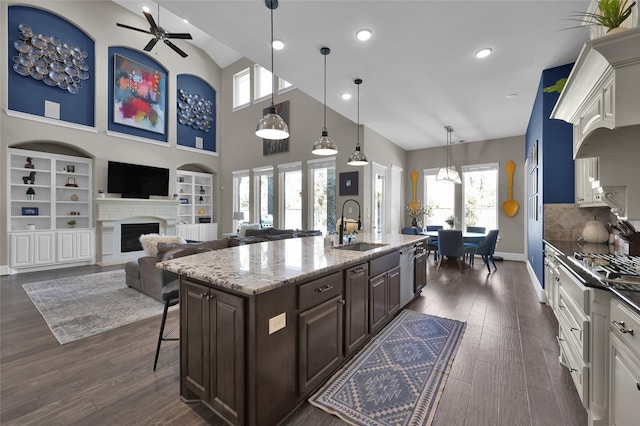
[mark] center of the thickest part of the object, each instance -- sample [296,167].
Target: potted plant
[611,14]
[71,223]
[31,193]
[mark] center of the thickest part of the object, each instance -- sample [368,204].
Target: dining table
[467,237]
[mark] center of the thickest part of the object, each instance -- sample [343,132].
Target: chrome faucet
[342,224]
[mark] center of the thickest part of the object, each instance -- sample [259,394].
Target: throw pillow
[150,242]
[243,228]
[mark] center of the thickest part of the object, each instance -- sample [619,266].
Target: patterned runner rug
[398,377]
[82,306]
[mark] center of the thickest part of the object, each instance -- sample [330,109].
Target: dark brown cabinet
[356,327]
[212,349]
[320,330]
[384,290]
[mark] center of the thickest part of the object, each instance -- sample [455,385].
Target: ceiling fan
[159,33]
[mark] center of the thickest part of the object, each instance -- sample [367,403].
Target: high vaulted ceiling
[418,69]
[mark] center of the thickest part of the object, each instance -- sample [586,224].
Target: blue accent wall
[29,95]
[186,135]
[556,165]
[143,59]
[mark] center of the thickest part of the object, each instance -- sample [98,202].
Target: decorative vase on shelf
[202,191]
[595,232]
[414,222]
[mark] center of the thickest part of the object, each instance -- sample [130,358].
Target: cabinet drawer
[628,321]
[320,290]
[383,263]
[578,370]
[574,324]
[576,291]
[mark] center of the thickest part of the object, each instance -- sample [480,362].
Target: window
[241,200]
[262,83]
[263,181]
[290,187]
[439,199]
[480,188]
[284,85]
[242,88]
[379,177]
[322,199]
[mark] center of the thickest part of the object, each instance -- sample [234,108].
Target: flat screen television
[137,181]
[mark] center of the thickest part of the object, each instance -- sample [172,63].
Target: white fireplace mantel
[112,212]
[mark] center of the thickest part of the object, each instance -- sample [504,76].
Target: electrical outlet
[277,323]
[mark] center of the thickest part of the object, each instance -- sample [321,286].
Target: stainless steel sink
[360,246]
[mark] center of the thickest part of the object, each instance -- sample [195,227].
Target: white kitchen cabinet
[586,173]
[583,335]
[551,277]
[624,378]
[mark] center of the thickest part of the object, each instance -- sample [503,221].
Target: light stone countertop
[260,267]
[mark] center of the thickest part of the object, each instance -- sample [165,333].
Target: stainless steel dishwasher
[407,256]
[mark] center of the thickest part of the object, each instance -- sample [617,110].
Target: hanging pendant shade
[272,126]
[325,145]
[448,174]
[357,158]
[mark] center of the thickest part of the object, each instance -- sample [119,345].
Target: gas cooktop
[618,271]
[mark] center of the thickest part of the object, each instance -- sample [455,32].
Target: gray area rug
[86,305]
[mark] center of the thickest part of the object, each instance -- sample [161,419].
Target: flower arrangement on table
[415,211]
[452,222]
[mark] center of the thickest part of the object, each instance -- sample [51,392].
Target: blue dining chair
[432,244]
[487,248]
[450,245]
[471,246]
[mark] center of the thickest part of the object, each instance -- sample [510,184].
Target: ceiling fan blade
[150,45]
[176,48]
[152,22]
[133,28]
[184,36]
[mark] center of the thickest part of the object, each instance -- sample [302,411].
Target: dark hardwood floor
[506,371]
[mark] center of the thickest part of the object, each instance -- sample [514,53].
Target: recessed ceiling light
[364,34]
[512,95]
[346,96]
[278,44]
[483,53]
[185,21]
[146,9]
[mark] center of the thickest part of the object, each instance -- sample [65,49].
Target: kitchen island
[263,325]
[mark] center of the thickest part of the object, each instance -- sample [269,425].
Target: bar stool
[171,294]
[170,297]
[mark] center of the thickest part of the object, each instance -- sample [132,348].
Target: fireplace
[130,235]
[113,217]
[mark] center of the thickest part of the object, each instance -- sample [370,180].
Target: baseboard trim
[4,270]
[537,285]
[516,257]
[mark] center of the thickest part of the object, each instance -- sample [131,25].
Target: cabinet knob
[342,301]
[574,329]
[621,327]
[572,370]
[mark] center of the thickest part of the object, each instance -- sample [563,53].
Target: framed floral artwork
[139,95]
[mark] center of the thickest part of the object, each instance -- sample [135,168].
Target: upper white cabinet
[587,176]
[602,96]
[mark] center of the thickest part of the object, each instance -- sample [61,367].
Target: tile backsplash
[565,222]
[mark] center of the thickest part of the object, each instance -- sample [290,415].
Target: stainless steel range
[618,271]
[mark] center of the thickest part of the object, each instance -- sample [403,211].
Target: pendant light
[357,158]
[325,145]
[272,126]
[448,174]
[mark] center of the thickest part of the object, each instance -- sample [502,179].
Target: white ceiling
[419,71]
